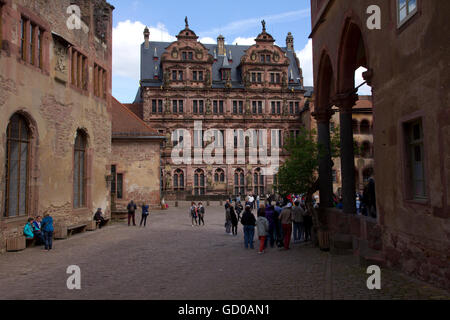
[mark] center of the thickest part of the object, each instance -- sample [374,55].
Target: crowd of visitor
[274,221]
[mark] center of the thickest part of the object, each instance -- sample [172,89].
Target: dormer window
[265,58]
[187,55]
[226,74]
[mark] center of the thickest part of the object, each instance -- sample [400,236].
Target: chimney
[147,37]
[230,57]
[290,42]
[221,45]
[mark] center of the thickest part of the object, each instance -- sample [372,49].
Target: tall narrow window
[31,43]
[416,159]
[17,166]
[39,48]
[258,182]
[79,171]
[175,106]
[239,182]
[117,183]
[178,180]
[23,28]
[199,182]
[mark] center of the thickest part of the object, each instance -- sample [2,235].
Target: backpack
[202,210]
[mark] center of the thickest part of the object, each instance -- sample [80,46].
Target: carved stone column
[325,164]
[345,102]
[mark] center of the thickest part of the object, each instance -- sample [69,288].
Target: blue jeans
[48,239]
[298,231]
[249,234]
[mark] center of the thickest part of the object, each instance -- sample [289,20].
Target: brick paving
[170,259]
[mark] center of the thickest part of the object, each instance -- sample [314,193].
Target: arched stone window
[219,176]
[365,127]
[258,182]
[239,182]
[79,170]
[17,166]
[199,182]
[178,180]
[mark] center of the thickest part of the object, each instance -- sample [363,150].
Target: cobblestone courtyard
[170,259]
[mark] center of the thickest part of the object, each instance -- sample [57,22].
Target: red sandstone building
[408,70]
[225,87]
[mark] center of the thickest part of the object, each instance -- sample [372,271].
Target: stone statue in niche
[61,58]
[166,78]
[247,107]
[167,106]
[208,106]
[285,107]
[168,181]
[249,179]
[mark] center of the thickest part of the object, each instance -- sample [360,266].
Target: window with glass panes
[116,183]
[239,182]
[416,159]
[178,180]
[79,171]
[219,176]
[198,106]
[257,107]
[157,106]
[258,182]
[406,9]
[177,106]
[238,107]
[199,182]
[17,166]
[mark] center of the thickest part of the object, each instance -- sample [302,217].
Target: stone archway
[352,55]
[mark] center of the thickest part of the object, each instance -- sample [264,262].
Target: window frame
[20,141]
[409,15]
[82,183]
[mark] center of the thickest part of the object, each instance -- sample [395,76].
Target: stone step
[372,257]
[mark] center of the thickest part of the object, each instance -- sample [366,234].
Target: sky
[238,21]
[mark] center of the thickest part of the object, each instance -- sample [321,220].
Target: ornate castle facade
[223,88]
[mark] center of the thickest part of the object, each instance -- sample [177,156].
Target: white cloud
[240,25]
[127,39]
[244,41]
[207,40]
[306,63]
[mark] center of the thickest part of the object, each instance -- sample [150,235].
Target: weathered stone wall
[55,111]
[139,162]
[410,80]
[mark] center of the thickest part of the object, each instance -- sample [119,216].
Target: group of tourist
[40,230]
[197,214]
[132,208]
[274,223]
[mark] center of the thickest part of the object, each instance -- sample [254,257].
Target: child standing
[263,227]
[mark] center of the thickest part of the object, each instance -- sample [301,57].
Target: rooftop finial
[264,25]
[187,22]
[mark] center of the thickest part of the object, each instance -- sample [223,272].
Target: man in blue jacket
[47,229]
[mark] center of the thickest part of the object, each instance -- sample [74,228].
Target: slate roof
[151,67]
[127,124]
